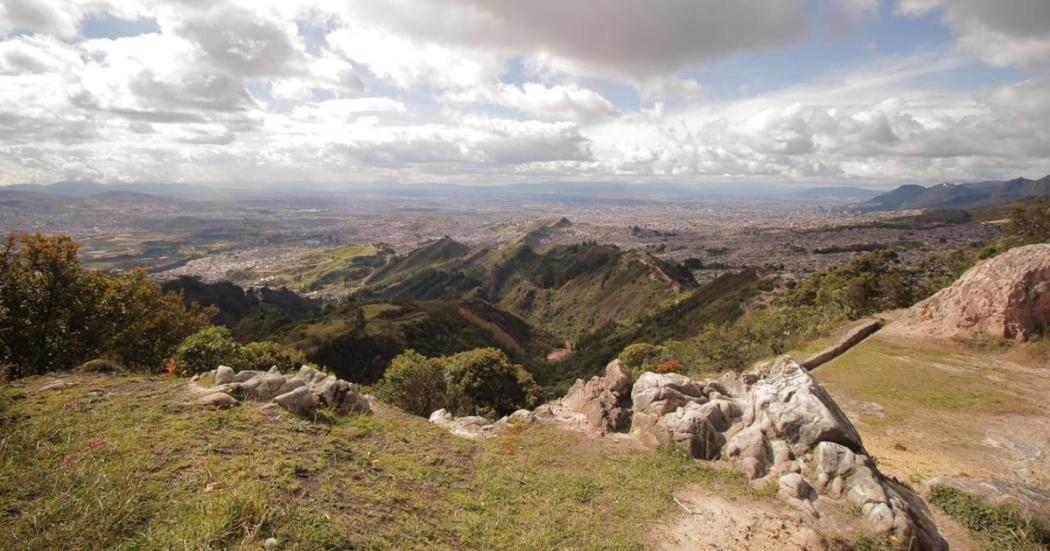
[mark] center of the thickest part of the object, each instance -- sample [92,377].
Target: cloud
[558,102]
[623,39]
[1000,33]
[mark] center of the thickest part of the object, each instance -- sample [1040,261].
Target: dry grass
[118,462]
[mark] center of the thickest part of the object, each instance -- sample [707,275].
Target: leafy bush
[54,314]
[266,354]
[414,383]
[207,349]
[640,357]
[670,366]
[484,382]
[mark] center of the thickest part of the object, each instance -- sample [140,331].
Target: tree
[414,383]
[267,354]
[484,382]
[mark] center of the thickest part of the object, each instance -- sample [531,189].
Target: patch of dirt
[497,332]
[716,523]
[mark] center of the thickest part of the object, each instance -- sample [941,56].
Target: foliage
[266,354]
[414,383]
[1029,223]
[997,527]
[205,350]
[485,382]
[54,314]
[640,356]
[669,366]
[213,346]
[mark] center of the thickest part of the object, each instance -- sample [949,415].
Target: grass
[995,527]
[119,462]
[892,375]
[331,267]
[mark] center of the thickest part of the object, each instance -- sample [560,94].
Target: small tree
[484,382]
[641,356]
[414,383]
[207,349]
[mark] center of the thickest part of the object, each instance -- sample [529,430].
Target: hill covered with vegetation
[567,290]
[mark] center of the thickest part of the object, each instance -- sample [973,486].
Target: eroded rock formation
[776,424]
[301,393]
[1007,296]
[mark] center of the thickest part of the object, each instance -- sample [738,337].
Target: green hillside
[357,343]
[569,290]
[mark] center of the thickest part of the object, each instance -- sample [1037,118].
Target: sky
[258,93]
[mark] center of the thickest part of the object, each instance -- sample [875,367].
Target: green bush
[266,354]
[484,382]
[1028,224]
[207,349]
[642,356]
[414,383]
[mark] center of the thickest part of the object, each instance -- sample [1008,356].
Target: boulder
[657,394]
[219,400]
[299,401]
[603,402]
[1007,296]
[224,375]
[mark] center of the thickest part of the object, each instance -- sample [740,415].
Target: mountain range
[954,196]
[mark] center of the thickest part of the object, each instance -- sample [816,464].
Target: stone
[1007,296]
[603,402]
[270,543]
[263,387]
[299,401]
[657,394]
[274,370]
[219,400]
[224,375]
[694,429]
[794,486]
[57,385]
[1028,499]
[247,374]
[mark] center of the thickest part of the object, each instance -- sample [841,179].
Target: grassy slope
[567,290]
[946,408]
[337,269]
[433,327]
[119,463]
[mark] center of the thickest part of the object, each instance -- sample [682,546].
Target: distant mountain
[566,289]
[954,196]
[82,189]
[837,194]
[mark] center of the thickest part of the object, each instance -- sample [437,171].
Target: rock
[262,387]
[270,543]
[299,401]
[273,370]
[693,428]
[243,376]
[219,400]
[801,411]
[57,385]
[224,375]
[1007,296]
[603,402]
[472,427]
[340,395]
[794,486]
[655,395]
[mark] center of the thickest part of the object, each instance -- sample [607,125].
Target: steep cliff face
[1005,297]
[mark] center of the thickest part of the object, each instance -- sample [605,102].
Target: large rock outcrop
[301,393]
[776,424]
[1005,297]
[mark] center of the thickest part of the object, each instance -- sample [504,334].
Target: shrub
[641,356]
[1028,224]
[414,383]
[207,349]
[484,382]
[266,354]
